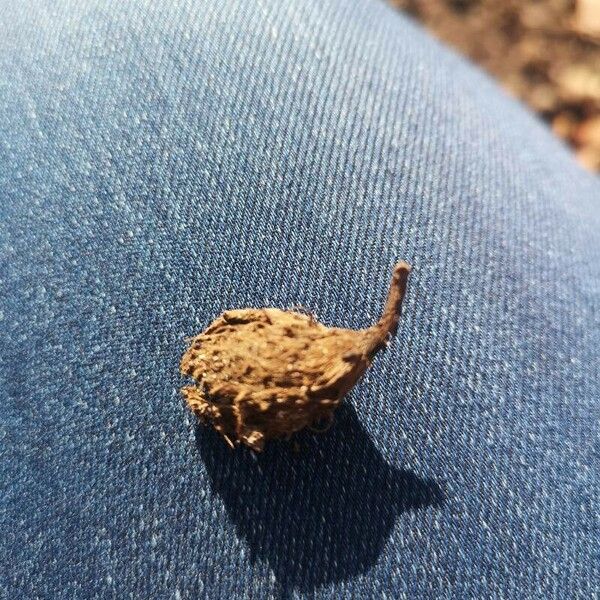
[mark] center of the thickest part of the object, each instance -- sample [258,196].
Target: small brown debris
[267,373]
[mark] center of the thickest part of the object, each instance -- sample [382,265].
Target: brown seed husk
[267,373]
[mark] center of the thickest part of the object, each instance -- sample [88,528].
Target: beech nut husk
[266,373]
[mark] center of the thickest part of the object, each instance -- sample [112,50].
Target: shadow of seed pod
[267,373]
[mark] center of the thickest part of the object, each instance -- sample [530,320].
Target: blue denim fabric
[163,161]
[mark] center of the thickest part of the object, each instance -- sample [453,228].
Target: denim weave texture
[161,162]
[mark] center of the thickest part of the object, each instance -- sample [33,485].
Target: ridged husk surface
[267,373]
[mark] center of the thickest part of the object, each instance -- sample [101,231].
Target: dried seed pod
[266,373]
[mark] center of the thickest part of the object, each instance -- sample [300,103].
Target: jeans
[161,162]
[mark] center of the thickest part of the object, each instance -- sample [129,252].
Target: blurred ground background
[546,52]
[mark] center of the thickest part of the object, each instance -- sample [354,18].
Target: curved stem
[388,323]
[393,304]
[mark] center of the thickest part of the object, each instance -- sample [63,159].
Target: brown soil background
[545,52]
